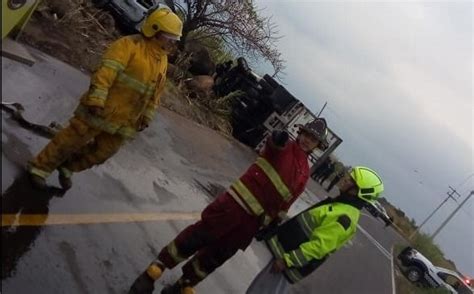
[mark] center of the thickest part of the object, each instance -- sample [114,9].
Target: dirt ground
[73,31]
[77,32]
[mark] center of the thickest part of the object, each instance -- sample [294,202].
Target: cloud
[385,62]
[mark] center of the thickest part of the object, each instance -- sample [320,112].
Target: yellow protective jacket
[127,84]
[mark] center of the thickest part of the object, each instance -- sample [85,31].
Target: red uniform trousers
[224,228]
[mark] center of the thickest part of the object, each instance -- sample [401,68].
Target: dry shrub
[72,30]
[211,112]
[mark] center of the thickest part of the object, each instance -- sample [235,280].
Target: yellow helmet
[163,20]
[369,183]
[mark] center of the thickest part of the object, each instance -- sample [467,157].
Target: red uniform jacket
[291,164]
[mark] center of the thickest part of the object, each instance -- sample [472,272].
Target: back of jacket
[275,180]
[127,85]
[305,241]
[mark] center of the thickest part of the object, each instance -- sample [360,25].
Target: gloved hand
[279,138]
[279,265]
[95,110]
[267,232]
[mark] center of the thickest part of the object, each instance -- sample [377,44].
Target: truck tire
[271,81]
[100,3]
[414,274]
[266,88]
[242,65]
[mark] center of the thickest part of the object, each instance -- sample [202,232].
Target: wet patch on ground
[72,261]
[114,190]
[212,190]
[163,195]
[12,147]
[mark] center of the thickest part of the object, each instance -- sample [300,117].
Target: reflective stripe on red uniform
[274,181]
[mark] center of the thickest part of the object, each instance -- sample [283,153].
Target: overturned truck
[264,105]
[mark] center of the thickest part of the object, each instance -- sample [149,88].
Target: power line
[464,181]
[450,195]
[451,215]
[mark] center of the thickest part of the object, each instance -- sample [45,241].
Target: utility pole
[450,195]
[451,216]
[321,111]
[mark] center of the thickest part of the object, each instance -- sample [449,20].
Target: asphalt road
[98,236]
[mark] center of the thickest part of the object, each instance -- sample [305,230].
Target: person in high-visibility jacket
[122,99]
[261,196]
[302,244]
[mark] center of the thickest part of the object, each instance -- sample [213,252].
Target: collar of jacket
[350,200]
[155,47]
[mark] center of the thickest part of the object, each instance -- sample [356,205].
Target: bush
[219,53]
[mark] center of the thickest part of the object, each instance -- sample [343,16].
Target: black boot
[172,289]
[65,182]
[38,182]
[144,284]
[65,178]
[179,287]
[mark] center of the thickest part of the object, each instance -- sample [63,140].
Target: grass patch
[213,113]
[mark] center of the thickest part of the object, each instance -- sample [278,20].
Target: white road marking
[377,244]
[367,215]
[394,289]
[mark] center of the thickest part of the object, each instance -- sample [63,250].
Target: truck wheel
[270,80]
[266,88]
[413,274]
[242,65]
[100,3]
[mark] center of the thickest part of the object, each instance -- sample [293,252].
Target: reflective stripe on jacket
[127,85]
[273,182]
[306,240]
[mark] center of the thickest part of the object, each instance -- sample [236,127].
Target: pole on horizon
[450,195]
[321,111]
[451,215]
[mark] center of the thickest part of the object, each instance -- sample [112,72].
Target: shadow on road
[19,202]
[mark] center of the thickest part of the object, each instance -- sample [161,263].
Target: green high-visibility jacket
[306,240]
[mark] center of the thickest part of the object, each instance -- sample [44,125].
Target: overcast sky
[397,77]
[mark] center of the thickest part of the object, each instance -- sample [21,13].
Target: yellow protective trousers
[77,147]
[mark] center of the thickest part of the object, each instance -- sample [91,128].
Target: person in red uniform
[261,197]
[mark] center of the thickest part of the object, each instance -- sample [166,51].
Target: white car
[420,270]
[131,13]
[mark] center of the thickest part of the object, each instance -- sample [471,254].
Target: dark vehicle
[129,13]
[261,97]
[377,210]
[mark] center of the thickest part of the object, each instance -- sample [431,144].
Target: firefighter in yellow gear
[122,99]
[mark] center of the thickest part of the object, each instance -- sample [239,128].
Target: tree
[239,24]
